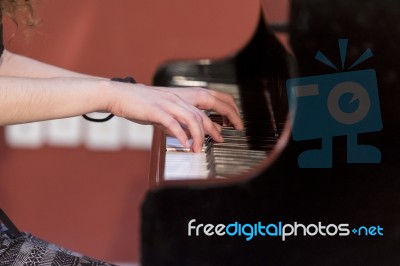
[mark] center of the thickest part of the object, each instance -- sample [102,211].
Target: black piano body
[357,194]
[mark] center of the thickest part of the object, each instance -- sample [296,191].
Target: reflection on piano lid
[258,89]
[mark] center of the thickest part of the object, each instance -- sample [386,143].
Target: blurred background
[80,185]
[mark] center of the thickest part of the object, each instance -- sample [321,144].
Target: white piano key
[64,132]
[185,165]
[28,135]
[173,144]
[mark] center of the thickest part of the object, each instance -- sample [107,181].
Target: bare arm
[34,91]
[34,99]
[15,65]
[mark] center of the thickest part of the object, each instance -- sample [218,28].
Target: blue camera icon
[338,104]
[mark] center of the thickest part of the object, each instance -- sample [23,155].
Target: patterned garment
[27,250]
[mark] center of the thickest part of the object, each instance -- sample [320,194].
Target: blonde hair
[19,10]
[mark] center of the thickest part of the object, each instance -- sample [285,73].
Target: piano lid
[355,195]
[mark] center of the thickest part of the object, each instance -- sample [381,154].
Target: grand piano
[277,190]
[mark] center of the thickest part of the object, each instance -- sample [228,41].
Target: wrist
[106,96]
[109,95]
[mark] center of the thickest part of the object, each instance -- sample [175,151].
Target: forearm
[34,99]
[33,91]
[15,65]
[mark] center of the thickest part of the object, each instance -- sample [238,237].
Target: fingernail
[187,145]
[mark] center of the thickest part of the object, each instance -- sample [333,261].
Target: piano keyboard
[238,154]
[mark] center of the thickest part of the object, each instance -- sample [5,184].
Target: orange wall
[122,37]
[85,200]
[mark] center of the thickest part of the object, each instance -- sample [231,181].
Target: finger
[213,131]
[228,98]
[195,125]
[189,117]
[193,118]
[218,126]
[218,129]
[227,111]
[172,127]
[227,108]
[186,115]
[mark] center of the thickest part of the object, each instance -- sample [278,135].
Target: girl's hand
[175,110]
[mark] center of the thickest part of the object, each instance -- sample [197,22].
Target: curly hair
[19,10]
